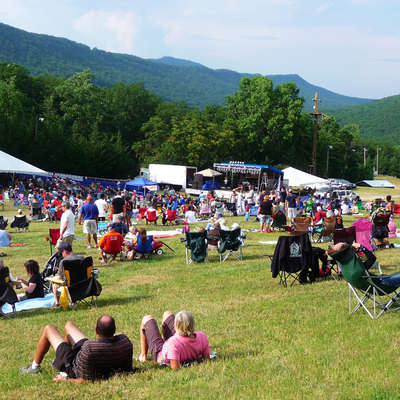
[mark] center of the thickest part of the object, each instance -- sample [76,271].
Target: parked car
[341,184]
[343,194]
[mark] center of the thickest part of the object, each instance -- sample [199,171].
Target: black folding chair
[7,293]
[232,243]
[196,247]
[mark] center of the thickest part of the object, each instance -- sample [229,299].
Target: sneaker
[30,370]
[89,247]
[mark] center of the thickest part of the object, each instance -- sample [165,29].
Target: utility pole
[316,115]
[377,160]
[327,160]
[365,156]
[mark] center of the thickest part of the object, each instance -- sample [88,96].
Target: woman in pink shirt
[179,342]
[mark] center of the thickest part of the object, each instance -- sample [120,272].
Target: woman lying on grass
[181,343]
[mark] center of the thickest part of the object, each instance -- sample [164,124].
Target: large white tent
[300,178]
[10,165]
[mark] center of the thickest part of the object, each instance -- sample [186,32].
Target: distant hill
[379,119]
[172,79]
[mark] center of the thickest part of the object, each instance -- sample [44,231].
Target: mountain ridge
[170,78]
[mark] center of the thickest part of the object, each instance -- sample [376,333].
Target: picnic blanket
[165,234]
[30,304]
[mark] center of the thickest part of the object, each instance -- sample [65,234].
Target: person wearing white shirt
[102,206]
[67,225]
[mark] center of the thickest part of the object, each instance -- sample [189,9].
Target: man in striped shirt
[80,360]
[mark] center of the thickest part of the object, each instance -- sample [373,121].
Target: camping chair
[396,208]
[80,281]
[292,259]
[54,235]
[142,210]
[151,217]
[196,247]
[171,216]
[363,233]
[7,293]
[380,229]
[3,222]
[36,211]
[20,223]
[302,225]
[326,230]
[279,221]
[381,290]
[232,243]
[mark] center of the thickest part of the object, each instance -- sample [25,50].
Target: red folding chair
[54,235]
[171,216]
[151,216]
[141,212]
[396,208]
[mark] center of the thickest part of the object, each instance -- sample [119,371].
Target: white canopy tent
[13,165]
[300,178]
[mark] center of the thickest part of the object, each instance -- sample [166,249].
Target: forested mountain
[378,120]
[171,79]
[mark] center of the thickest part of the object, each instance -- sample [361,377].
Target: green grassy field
[272,342]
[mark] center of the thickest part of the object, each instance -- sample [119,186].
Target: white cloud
[113,31]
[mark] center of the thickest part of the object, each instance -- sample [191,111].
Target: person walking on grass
[80,360]
[89,214]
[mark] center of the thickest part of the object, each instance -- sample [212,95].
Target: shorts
[65,356]
[264,219]
[90,226]
[292,213]
[153,335]
[116,217]
[66,239]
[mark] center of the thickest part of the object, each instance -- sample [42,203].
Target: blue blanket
[30,304]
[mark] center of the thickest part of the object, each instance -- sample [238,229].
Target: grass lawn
[271,342]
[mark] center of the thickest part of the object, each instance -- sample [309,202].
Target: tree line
[73,126]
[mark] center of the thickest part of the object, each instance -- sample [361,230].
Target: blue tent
[138,183]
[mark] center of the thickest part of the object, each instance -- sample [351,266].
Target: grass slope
[172,79]
[272,342]
[378,119]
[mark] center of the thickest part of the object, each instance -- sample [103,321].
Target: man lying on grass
[80,360]
[181,344]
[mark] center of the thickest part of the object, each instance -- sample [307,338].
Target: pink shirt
[183,348]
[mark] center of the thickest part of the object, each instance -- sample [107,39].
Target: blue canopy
[138,183]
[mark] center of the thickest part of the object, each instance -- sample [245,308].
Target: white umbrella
[209,173]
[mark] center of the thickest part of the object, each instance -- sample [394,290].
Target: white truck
[177,175]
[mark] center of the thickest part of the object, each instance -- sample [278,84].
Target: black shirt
[39,291]
[291,199]
[118,205]
[266,207]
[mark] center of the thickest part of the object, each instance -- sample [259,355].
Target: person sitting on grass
[179,342]
[34,287]
[111,243]
[80,360]
[5,237]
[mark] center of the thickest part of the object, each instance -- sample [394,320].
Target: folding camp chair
[230,242]
[151,216]
[279,221]
[363,233]
[292,259]
[380,290]
[81,281]
[380,230]
[326,230]
[396,208]
[7,293]
[54,235]
[171,216]
[302,225]
[142,210]
[196,247]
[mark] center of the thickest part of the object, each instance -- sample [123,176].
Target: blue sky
[348,46]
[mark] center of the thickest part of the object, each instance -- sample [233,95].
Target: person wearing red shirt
[111,243]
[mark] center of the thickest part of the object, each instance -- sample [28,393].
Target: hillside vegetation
[377,119]
[171,79]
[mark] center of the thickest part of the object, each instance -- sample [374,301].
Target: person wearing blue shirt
[89,214]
